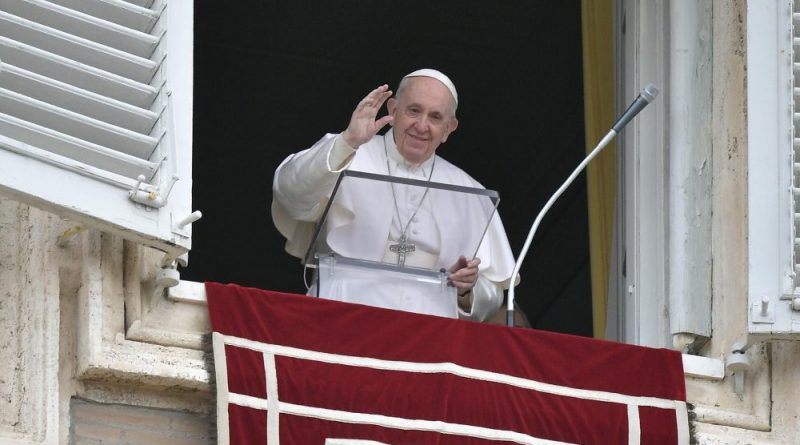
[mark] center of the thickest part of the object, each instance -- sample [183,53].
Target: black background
[271,77]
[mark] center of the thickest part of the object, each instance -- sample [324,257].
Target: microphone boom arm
[510,303]
[647,95]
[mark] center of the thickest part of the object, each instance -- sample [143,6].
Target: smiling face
[424,116]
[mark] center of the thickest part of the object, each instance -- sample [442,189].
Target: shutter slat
[46,139]
[77,48]
[143,3]
[78,74]
[65,163]
[84,25]
[120,12]
[68,122]
[76,99]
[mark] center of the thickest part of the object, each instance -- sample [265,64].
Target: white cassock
[436,224]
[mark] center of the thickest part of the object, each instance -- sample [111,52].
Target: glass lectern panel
[367,215]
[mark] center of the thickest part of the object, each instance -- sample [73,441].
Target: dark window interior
[271,77]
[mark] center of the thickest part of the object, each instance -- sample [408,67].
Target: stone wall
[109,424]
[84,324]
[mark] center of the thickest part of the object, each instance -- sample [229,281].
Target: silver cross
[402,248]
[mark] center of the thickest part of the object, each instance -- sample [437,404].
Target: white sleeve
[487,296]
[304,179]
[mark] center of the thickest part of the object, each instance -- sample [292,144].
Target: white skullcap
[438,75]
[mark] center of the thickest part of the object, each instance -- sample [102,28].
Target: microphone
[647,95]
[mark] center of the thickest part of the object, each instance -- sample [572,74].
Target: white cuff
[487,296]
[339,155]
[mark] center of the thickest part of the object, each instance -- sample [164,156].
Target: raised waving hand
[364,123]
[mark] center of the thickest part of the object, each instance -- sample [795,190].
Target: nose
[422,124]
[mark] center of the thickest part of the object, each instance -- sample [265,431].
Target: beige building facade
[102,343]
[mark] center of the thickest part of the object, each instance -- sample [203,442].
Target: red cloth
[327,369]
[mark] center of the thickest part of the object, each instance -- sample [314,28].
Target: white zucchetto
[438,75]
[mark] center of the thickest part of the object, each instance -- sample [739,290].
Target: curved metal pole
[510,303]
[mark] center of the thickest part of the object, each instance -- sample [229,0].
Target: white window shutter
[773,180]
[95,101]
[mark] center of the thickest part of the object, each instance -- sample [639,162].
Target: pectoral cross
[402,248]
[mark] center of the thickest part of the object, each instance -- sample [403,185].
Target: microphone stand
[647,95]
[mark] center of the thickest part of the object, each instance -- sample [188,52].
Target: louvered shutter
[773,181]
[96,113]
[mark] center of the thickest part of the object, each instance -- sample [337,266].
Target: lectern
[356,258]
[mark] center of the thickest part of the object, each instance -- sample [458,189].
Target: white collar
[398,159]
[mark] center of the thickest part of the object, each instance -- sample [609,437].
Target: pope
[415,229]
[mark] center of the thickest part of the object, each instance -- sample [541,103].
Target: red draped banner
[293,369]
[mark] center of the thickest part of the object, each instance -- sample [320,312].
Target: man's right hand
[364,124]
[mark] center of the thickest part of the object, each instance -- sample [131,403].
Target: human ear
[451,127]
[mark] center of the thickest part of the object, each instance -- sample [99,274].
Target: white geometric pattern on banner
[274,407]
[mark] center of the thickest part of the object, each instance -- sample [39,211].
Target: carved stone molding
[716,403]
[160,345]
[150,316]
[29,323]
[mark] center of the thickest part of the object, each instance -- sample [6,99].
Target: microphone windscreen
[649,92]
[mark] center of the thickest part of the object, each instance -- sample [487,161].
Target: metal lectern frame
[320,255]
